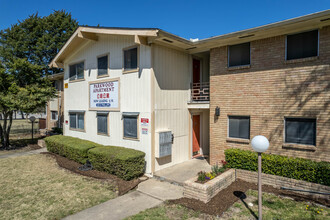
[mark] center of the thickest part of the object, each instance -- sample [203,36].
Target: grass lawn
[22,126]
[170,212]
[34,187]
[274,208]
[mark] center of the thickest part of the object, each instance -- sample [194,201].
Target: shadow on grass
[241,195]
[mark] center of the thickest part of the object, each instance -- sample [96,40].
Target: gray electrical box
[163,144]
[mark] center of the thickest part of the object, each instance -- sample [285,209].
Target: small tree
[26,49]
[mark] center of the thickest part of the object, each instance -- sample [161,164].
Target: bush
[70,147]
[122,162]
[295,168]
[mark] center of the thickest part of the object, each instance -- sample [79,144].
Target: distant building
[54,108]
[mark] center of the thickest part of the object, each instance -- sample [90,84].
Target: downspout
[152,90]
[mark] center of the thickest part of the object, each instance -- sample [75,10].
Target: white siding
[134,92]
[172,70]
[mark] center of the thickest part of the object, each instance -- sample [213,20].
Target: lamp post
[32,119]
[259,144]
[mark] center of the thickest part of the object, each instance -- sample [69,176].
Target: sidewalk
[24,153]
[149,194]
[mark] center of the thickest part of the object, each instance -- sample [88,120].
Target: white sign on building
[104,95]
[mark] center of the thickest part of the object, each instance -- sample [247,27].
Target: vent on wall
[166,40]
[326,19]
[250,35]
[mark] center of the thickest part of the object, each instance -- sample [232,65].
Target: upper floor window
[239,127]
[239,54]
[302,45]
[76,71]
[300,131]
[130,59]
[102,65]
[54,115]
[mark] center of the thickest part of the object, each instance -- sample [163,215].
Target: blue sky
[186,18]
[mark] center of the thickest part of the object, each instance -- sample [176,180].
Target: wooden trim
[87,35]
[104,109]
[73,63]
[108,67]
[138,59]
[140,40]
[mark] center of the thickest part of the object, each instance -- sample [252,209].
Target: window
[54,115]
[77,120]
[300,131]
[77,71]
[130,125]
[130,59]
[239,55]
[102,65]
[239,127]
[102,122]
[302,45]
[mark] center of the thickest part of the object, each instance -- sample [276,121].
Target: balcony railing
[200,92]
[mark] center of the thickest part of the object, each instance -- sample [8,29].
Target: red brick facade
[269,90]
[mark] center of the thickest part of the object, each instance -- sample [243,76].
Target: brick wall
[269,90]
[205,192]
[279,181]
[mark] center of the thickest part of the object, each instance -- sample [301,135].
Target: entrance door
[196,71]
[196,134]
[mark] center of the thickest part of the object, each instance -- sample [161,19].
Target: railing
[200,91]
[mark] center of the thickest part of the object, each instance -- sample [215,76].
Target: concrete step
[160,190]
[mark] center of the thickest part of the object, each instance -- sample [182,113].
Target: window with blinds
[77,120]
[130,59]
[239,55]
[239,127]
[300,131]
[102,123]
[130,126]
[76,71]
[302,45]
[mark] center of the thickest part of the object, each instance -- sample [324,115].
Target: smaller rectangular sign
[144,130]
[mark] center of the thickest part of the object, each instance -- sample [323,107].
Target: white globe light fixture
[259,144]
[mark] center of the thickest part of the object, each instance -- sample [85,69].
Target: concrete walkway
[149,194]
[24,153]
[179,173]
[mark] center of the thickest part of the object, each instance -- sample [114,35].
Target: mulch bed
[227,197]
[122,185]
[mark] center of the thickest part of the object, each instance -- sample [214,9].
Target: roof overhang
[56,76]
[290,26]
[147,36]
[85,34]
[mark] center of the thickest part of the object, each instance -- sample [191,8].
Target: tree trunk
[22,114]
[5,129]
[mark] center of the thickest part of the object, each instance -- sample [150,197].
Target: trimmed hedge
[122,162]
[295,168]
[70,147]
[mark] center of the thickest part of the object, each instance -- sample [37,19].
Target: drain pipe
[301,190]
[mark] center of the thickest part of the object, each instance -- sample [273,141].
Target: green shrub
[295,168]
[122,162]
[70,147]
